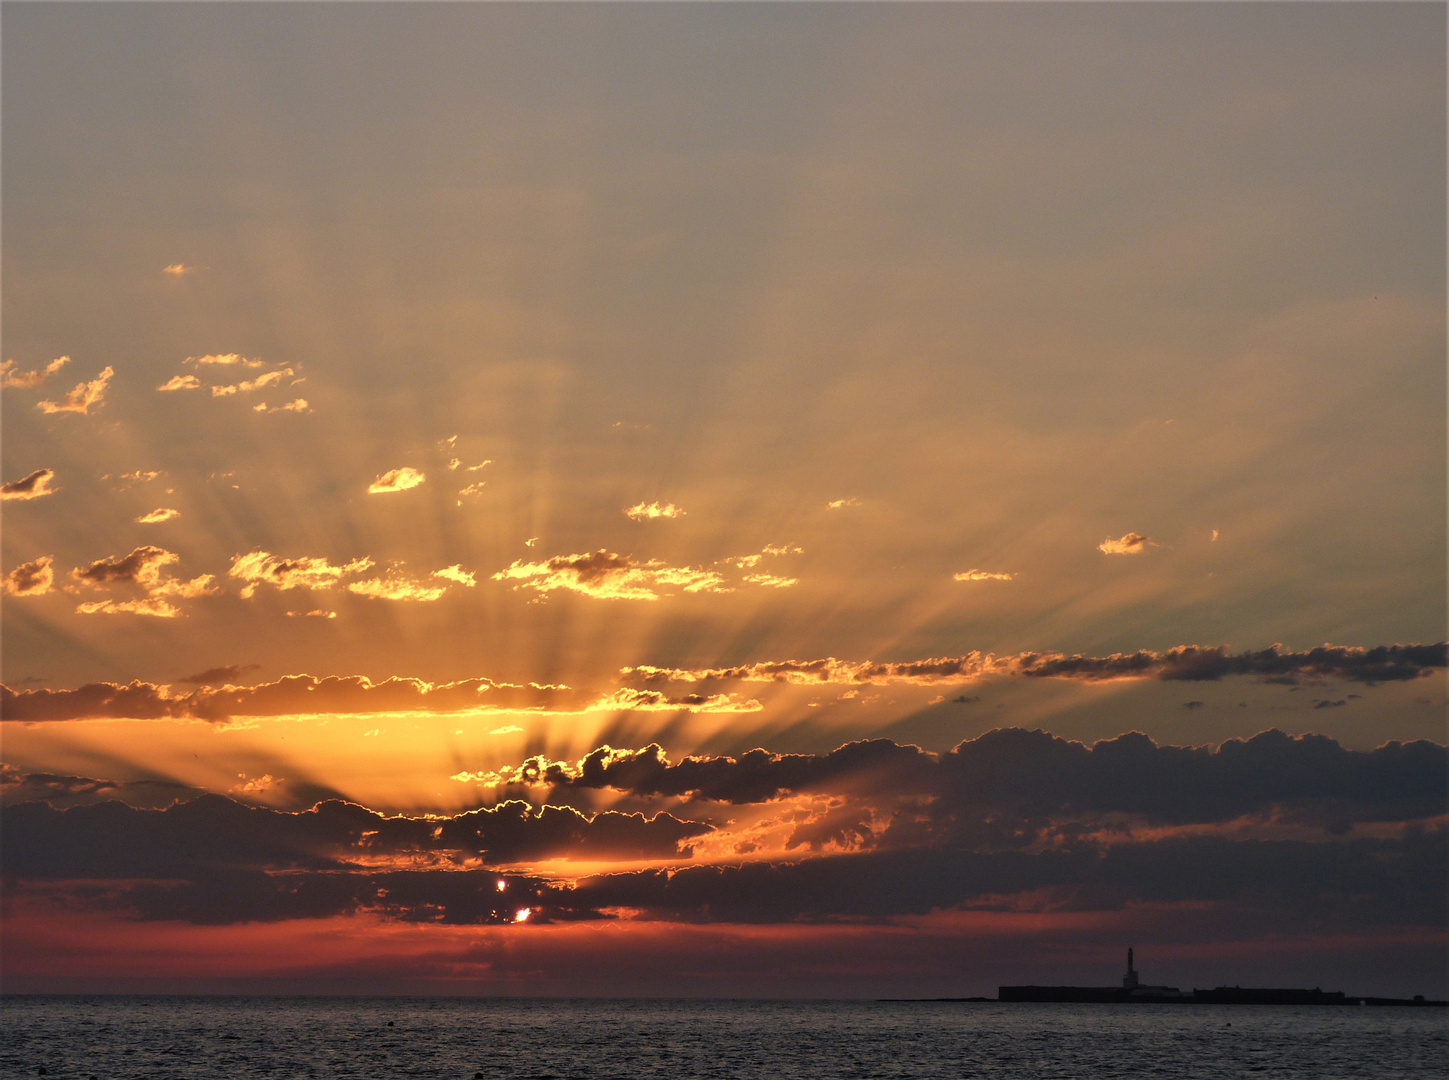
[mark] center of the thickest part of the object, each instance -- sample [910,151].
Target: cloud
[981,575]
[315,613]
[481,465]
[298,405]
[841,504]
[195,840]
[654,701]
[608,576]
[261,382]
[146,605]
[1033,782]
[30,579]
[11,379]
[158,515]
[458,574]
[290,695]
[650,511]
[1189,663]
[1130,544]
[213,676]
[261,567]
[180,382]
[396,480]
[130,479]
[142,566]
[744,562]
[470,491]
[178,270]
[30,487]
[394,586]
[82,397]
[224,360]
[771,580]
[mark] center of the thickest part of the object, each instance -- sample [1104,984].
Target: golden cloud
[608,576]
[160,514]
[261,382]
[650,511]
[178,270]
[30,579]
[396,480]
[981,575]
[224,360]
[840,504]
[30,487]
[458,574]
[82,397]
[180,382]
[771,580]
[148,605]
[260,567]
[396,587]
[1130,544]
[297,405]
[11,379]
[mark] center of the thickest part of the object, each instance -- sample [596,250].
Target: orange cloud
[298,405]
[261,382]
[160,514]
[1130,544]
[396,480]
[981,575]
[82,397]
[607,576]
[396,587]
[458,574]
[180,382]
[261,567]
[841,504]
[148,605]
[30,579]
[178,270]
[224,360]
[30,487]
[650,511]
[11,379]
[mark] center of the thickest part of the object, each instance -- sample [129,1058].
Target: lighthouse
[1129,981]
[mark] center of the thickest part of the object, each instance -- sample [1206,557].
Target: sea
[120,1038]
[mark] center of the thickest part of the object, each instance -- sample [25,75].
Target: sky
[723,499]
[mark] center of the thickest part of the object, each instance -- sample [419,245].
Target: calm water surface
[115,1038]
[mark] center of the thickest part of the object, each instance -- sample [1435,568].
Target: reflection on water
[120,1038]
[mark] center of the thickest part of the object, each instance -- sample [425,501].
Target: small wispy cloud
[29,487]
[82,397]
[396,480]
[180,382]
[1130,544]
[247,386]
[147,605]
[30,579]
[458,574]
[650,511]
[981,575]
[178,270]
[160,514]
[395,586]
[297,405]
[841,504]
[224,360]
[606,576]
[315,613]
[11,379]
[771,580]
[471,491]
[260,567]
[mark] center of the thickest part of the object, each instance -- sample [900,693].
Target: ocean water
[117,1038]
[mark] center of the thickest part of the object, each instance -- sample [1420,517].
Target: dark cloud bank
[1010,820]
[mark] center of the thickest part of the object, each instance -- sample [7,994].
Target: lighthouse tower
[1129,981]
